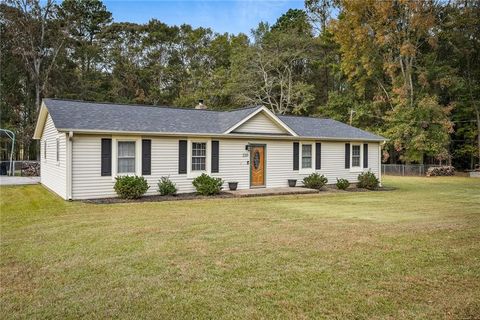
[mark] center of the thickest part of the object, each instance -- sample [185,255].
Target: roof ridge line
[295,116]
[151,105]
[136,105]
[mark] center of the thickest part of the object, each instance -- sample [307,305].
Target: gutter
[217,135]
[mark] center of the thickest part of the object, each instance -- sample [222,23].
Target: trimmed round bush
[130,187]
[315,181]
[342,184]
[206,185]
[367,180]
[166,187]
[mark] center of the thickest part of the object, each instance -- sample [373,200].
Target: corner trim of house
[69,162]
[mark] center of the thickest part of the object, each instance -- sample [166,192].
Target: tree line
[408,70]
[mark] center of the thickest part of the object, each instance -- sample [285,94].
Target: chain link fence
[405,169]
[20,168]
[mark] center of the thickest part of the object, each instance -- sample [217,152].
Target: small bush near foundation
[342,184]
[367,180]
[315,181]
[440,171]
[166,186]
[130,187]
[206,185]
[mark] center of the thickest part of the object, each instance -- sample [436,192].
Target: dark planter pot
[233,186]
[292,183]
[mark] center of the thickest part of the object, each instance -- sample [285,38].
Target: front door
[257,166]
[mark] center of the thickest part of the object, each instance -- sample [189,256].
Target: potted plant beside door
[233,186]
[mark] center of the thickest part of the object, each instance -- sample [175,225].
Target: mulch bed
[159,198]
[355,189]
[222,195]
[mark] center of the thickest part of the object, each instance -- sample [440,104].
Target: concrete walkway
[11,181]
[270,191]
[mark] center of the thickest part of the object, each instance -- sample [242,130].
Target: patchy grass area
[409,253]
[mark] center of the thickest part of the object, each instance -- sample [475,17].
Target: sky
[232,16]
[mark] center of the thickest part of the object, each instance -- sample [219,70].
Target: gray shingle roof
[326,128]
[91,116]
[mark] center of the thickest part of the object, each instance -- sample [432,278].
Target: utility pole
[351,115]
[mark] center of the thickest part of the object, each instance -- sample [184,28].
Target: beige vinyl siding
[87,181]
[260,123]
[53,172]
[233,164]
[333,161]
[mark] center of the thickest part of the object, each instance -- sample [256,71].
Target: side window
[355,155]
[45,149]
[306,156]
[126,157]
[199,156]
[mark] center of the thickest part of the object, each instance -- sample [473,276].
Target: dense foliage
[368,180]
[408,70]
[207,185]
[166,186]
[342,184]
[130,187]
[315,181]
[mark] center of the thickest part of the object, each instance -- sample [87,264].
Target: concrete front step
[270,191]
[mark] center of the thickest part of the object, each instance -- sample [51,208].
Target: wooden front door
[257,166]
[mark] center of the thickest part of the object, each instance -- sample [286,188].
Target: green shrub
[315,181]
[207,185]
[368,180]
[131,187]
[342,184]
[166,186]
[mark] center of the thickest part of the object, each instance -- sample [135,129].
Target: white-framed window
[126,157]
[306,156]
[58,150]
[356,156]
[45,149]
[199,156]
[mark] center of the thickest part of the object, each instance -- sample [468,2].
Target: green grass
[409,253]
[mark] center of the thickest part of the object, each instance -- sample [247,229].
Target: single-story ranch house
[85,145]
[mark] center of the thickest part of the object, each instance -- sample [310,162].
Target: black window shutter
[296,148]
[347,155]
[182,156]
[106,157]
[146,157]
[318,156]
[215,156]
[365,155]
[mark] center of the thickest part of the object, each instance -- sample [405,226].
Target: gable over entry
[262,121]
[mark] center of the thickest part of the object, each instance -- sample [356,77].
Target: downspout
[69,157]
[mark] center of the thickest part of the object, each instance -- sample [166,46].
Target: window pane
[126,149]
[356,150]
[306,156]
[307,150]
[356,161]
[306,162]
[126,156]
[126,165]
[356,156]
[58,150]
[199,155]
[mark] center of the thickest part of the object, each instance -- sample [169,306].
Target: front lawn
[409,253]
